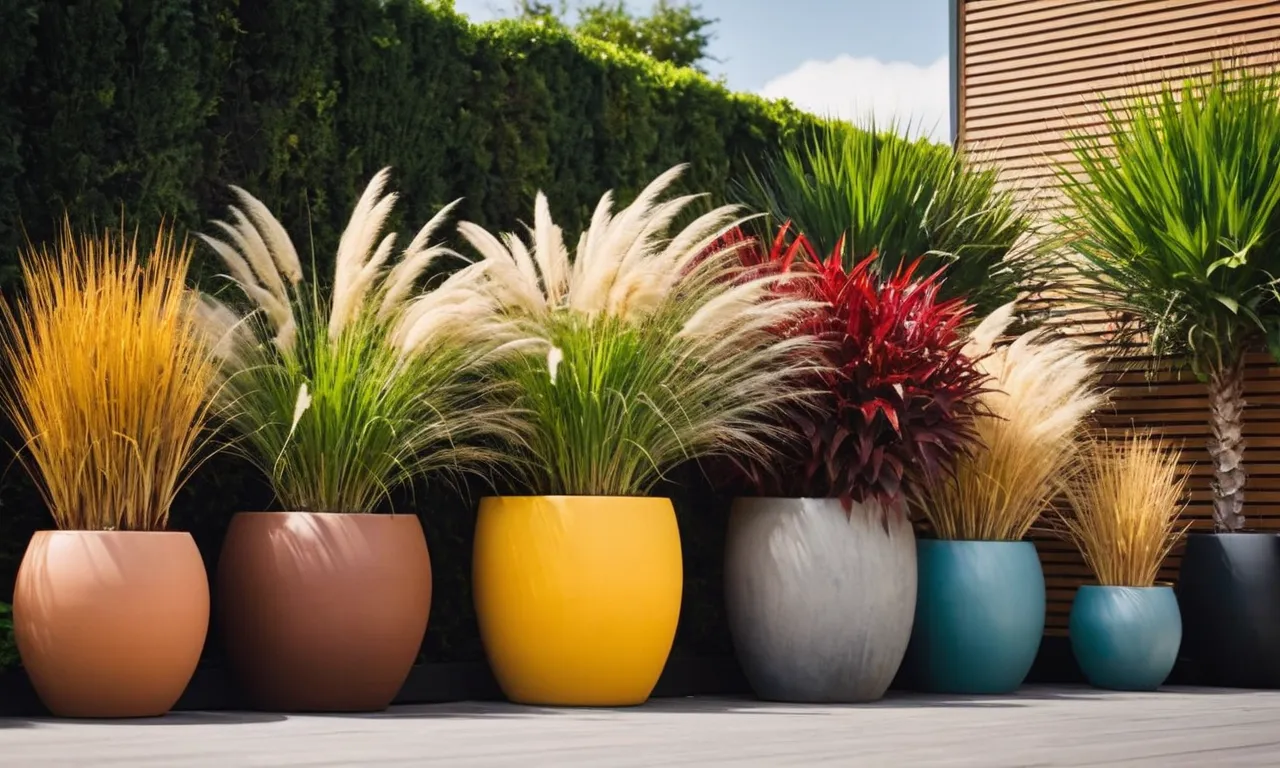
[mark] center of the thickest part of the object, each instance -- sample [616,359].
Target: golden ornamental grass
[1041,391]
[1125,504]
[108,381]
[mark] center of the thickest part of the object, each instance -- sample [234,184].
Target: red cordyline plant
[897,399]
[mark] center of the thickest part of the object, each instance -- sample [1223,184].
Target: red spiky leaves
[898,398]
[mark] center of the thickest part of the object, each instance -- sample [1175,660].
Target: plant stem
[1226,446]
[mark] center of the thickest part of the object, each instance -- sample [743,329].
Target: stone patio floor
[1037,727]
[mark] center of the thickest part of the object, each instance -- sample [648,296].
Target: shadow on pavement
[173,718]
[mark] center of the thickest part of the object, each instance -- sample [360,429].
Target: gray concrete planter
[820,604]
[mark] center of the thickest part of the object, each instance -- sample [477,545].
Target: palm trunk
[1226,446]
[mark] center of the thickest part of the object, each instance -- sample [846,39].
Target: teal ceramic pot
[1126,638]
[979,616]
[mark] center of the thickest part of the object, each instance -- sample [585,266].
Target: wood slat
[1111,22]
[1072,42]
[1110,56]
[1055,72]
[980,11]
[1040,17]
[1073,109]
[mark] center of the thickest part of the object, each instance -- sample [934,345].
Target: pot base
[323,612]
[979,616]
[577,596]
[110,624]
[1125,638]
[1229,594]
[820,602]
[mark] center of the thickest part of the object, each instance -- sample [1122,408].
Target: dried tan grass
[109,380]
[1125,504]
[1042,389]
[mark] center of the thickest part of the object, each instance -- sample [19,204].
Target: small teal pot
[979,616]
[1126,638]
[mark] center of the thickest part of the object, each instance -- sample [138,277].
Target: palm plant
[110,380]
[1176,223]
[877,192]
[642,350]
[338,401]
[1041,391]
[1125,504]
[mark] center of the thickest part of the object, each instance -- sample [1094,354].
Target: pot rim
[792,498]
[1214,534]
[561,496]
[81,531]
[1157,585]
[325,514]
[923,539]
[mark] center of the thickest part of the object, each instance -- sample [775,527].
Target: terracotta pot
[577,596]
[323,612]
[110,623]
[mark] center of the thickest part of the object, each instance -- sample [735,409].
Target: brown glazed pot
[110,623]
[323,612]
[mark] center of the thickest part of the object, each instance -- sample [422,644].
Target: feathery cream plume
[281,247]
[1042,391]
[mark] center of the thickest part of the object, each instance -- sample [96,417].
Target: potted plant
[108,389]
[981,604]
[1175,220]
[640,352]
[324,605]
[820,569]
[1124,507]
[874,191]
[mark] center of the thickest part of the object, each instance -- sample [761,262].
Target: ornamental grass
[1042,389]
[1125,504]
[643,349]
[109,379]
[871,190]
[339,399]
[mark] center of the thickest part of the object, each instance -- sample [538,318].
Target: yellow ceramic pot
[577,596]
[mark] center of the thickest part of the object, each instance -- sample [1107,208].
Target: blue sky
[850,58]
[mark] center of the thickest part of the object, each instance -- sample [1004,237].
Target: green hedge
[151,107]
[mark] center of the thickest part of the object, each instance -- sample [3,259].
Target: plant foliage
[642,350]
[338,401]
[1176,224]
[896,395]
[1125,503]
[1042,390]
[877,192]
[678,34]
[109,379]
[1176,215]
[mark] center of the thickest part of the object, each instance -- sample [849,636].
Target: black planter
[1229,593]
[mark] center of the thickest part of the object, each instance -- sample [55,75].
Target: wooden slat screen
[1032,71]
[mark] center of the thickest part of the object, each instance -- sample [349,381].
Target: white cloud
[858,88]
